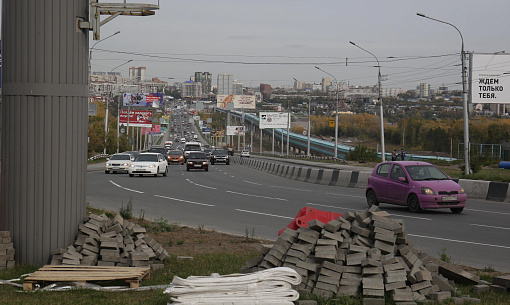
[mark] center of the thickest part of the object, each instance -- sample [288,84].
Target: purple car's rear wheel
[372,198]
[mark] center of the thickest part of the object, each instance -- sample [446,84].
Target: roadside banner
[137,118]
[235,130]
[275,120]
[239,101]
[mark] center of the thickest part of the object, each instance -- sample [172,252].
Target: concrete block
[357,249]
[333,226]
[331,274]
[273,260]
[352,269]
[139,256]
[385,238]
[323,293]
[373,301]
[276,254]
[350,282]
[384,247]
[328,280]
[372,283]
[333,267]
[316,225]
[355,259]
[420,285]
[455,273]
[347,291]
[347,275]
[440,296]
[308,266]
[442,283]
[498,289]
[306,249]
[481,288]
[370,262]
[395,285]
[372,270]
[373,292]
[361,231]
[503,280]
[334,236]
[402,295]
[327,242]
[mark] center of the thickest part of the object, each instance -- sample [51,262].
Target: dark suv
[159,149]
[219,156]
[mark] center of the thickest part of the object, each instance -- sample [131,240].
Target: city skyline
[285,40]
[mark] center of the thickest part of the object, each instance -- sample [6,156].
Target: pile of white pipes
[268,287]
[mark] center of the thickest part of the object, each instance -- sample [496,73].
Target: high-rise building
[191,89]
[206,79]
[265,89]
[137,73]
[237,87]
[326,82]
[424,90]
[225,84]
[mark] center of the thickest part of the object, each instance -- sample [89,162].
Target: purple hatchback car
[419,185]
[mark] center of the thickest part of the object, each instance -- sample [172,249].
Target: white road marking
[460,241]
[243,194]
[487,211]
[493,227]
[125,188]
[187,201]
[204,186]
[231,176]
[336,194]
[252,182]
[288,188]
[342,208]
[265,214]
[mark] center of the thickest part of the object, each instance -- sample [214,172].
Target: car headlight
[190,162]
[107,164]
[125,164]
[204,163]
[462,191]
[132,165]
[152,165]
[427,191]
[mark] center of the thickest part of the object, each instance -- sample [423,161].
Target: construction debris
[106,242]
[365,252]
[268,287]
[6,250]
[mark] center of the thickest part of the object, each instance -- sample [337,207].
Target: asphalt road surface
[240,200]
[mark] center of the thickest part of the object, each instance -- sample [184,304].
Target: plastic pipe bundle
[268,287]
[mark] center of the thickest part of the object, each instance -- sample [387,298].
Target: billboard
[239,101]
[235,130]
[273,120]
[142,99]
[488,78]
[137,118]
[156,129]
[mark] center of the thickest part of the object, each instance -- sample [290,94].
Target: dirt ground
[188,241]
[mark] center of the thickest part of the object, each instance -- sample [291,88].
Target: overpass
[298,143]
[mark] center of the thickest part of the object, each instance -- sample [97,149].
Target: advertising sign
[235,130]
[488,79]
[239,101]
[137,118]
[273,120]
[156,129]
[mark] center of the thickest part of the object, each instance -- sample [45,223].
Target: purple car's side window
[397,172]
[383,170]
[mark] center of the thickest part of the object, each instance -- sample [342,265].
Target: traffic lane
[439,228]
[263,213]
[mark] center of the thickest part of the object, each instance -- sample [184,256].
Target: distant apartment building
[225,83]
[237,88]
[424,90]
[391,92]
[326,83]
[137,73]
[205,78]
[191,89]
[265,89]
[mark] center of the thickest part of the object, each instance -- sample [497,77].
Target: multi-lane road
[237,199]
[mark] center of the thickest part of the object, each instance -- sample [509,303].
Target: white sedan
[245,153]
[148,164]
[118,163]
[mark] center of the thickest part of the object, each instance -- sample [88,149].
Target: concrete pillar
[44,125]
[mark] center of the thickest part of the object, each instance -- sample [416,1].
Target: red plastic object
[307,214]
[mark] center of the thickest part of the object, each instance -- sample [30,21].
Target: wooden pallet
[66,273]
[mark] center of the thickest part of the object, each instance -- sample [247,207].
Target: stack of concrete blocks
[6,250]
[365,252]
[106,242]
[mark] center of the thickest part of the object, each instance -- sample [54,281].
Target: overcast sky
[274,41]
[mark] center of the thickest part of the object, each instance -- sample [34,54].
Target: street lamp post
[308,130]
[467,169]
[106,113]
[383,151]
[336,111]
[90,52]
